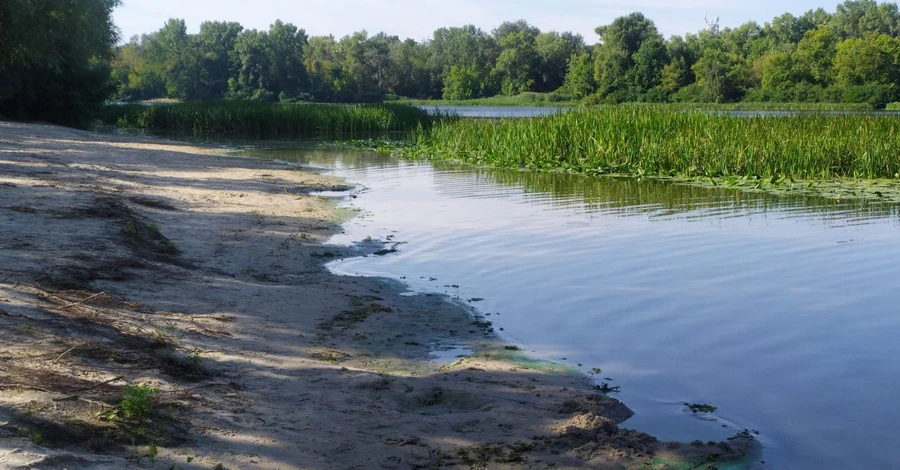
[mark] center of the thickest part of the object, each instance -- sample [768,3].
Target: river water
[781,312]
[495,111]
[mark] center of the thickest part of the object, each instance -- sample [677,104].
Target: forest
[851,55]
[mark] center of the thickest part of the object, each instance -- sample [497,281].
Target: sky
[417,19]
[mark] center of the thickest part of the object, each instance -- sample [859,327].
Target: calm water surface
[495,111]
[781,312]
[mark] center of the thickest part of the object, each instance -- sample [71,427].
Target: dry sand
[128,260]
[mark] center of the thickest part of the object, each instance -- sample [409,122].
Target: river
[781,312]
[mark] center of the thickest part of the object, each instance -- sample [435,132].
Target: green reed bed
[250,120]
[656,140]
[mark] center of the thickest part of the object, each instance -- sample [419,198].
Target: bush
[877,96]
[692,93]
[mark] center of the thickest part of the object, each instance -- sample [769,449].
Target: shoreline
[134,260]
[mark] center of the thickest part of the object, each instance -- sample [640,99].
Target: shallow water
[780,312]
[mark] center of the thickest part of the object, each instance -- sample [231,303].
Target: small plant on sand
[130,228]
[194,358]
[37,439]
[152,453]
[136,403]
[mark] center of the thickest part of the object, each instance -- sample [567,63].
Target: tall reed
[249,120]
[657,140]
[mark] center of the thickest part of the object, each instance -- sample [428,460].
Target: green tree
[467,49]
[870,60]
[517,65]
[649,61]
[215,44]
[720,75]
[777,70]
[615,59]
[854,19]
[134,76]
[378,60]
[252,79]
[814,57]
[580,76]
[285,48]
[410,60]
[321,66]
[55,58]
[675,76]
[462,83]
[555,51]
[356,76]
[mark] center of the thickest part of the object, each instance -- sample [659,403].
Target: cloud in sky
[419,18]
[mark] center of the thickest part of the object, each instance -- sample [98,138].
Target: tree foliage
[54,58]
[850,54]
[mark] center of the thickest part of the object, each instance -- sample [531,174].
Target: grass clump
[664,141]
[136,403]
[250,120]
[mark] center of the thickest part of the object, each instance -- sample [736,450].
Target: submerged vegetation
[661,141]
[269,121]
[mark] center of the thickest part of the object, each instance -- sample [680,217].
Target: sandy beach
[133,261]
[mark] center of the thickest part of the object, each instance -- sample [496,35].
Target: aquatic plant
[251,120]
[660,140]
[700,408]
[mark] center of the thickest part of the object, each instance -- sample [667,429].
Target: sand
[132,261]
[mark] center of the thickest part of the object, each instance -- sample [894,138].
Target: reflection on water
[779,311]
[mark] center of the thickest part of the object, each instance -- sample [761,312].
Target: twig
[114,379]
[76,397]
[29,387]
[182,390]
[98,403]
[67,351]
[84,300]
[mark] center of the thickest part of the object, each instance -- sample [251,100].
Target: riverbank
[198,281]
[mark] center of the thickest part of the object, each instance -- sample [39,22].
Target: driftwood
[67,351]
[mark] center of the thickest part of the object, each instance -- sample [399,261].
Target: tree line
[59,61]
[850,55]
